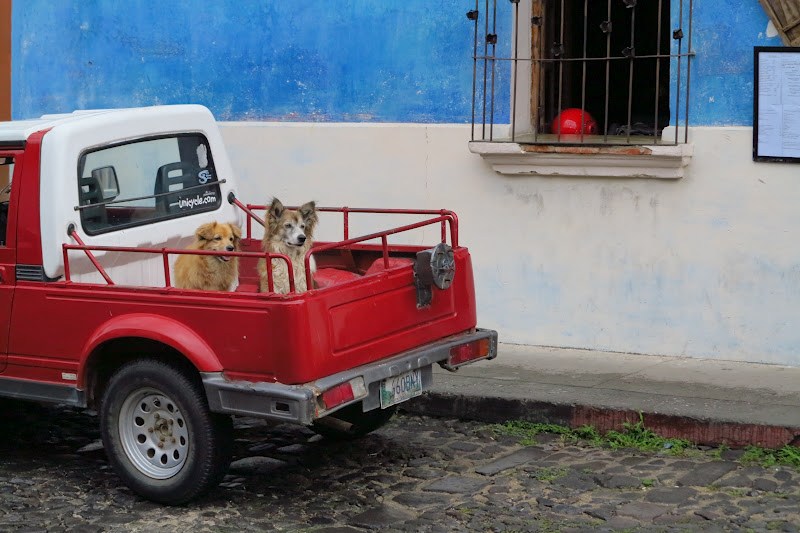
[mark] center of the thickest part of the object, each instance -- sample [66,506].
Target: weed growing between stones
[547,474]
[717,452]
[527,432]
[788,456]
[640,437]
[635,436]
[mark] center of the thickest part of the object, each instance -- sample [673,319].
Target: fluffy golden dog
[210,272]
[290,233]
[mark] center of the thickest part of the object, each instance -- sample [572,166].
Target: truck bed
[364,309]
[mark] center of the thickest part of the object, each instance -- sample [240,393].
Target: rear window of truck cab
[146,180]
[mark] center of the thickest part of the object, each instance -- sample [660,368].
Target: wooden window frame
[785,16]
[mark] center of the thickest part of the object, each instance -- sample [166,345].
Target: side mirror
[107,180]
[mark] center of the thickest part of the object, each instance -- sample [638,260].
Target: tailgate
[371,318]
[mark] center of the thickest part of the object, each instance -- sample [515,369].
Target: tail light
[343,393]
[465,353]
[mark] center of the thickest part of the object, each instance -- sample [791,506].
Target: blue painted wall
[724,34]
[317,60]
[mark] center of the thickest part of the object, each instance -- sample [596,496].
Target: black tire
[350,423]
[159,435]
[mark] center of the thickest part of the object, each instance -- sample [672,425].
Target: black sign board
[776,104]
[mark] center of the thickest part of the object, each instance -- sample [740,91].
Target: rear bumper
[300,403]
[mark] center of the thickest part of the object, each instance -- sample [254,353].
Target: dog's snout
[301,239]
[229,248]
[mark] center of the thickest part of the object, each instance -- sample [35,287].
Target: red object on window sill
[569,121]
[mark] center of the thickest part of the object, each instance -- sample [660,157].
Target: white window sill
[629,161]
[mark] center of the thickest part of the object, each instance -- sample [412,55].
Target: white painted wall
[706,266]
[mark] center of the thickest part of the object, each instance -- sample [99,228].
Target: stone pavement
[417,474]
[705,401]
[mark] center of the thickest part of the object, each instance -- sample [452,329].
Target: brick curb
[700,431]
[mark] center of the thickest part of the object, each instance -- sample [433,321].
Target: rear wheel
[159,435]
[351,422]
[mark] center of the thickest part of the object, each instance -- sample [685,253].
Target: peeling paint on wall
[772,31]
[349,60]
[724,33]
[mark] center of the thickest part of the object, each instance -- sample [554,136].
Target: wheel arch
[129,337]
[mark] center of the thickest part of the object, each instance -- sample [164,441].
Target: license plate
[400,388]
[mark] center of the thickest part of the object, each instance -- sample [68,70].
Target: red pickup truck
[98,206]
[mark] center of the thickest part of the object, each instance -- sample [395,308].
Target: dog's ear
[309,213]
[308,209]
[276,209]
[237,231]
[206,231]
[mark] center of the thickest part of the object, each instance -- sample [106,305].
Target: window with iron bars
[594,72]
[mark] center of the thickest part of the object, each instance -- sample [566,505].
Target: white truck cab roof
[20,130]
[68,147]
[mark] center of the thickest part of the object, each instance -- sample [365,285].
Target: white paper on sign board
[778,112]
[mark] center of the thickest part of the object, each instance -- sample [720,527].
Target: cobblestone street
[416,474]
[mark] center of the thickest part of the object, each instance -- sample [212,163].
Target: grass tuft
[633,435]
[787,455]
[527,431]
[638,436]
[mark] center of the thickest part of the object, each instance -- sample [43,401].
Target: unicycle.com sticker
[193,202]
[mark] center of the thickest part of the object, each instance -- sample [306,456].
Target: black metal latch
[435,266]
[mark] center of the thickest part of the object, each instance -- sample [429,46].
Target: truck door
[10,161]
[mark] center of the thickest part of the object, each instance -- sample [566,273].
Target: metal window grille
[620,67]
